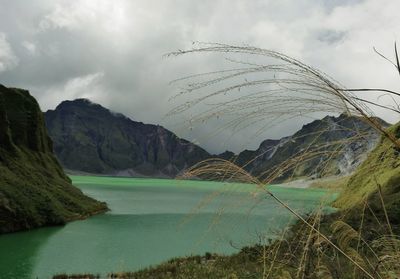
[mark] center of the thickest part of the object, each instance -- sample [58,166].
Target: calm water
[151,220]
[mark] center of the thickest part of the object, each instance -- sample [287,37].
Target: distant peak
[80,101]
[83,100]
[77,102]
[227,153]
[83,104]
[343,115]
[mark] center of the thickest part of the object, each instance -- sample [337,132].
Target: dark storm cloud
[112,51]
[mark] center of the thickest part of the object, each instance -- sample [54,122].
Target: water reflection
[19,252]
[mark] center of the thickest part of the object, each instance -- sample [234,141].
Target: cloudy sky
[112,51]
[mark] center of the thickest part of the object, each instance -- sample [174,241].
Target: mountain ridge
[117,145]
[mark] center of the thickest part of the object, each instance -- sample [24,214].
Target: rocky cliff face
[34,191]
[339,145]
[90,138]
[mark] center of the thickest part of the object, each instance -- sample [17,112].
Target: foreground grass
[241,265]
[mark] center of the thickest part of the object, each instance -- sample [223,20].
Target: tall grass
[282,89]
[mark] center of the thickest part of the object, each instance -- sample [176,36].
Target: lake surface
[150,221]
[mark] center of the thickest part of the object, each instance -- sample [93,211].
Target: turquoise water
[150,221]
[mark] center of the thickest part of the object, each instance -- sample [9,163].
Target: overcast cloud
[112,51]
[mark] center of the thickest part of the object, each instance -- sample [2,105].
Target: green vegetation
[241,265]
[34,191]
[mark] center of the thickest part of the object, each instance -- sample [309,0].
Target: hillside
[90,138]
[34,191]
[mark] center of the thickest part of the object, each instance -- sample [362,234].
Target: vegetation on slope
[34,191]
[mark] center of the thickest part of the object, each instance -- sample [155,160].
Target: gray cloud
[112,51]
[8,59]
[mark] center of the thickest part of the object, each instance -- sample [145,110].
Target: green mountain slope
[34,191]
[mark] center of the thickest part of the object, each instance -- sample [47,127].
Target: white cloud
[61,16]
[30,47]
[80,14]
[87,86]
[83,86]
[8,60]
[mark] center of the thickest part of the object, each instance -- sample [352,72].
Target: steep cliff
[34,191]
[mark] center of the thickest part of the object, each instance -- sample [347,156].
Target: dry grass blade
[397,58]
[302,90]
[389,258]
[344,233]
[269,93]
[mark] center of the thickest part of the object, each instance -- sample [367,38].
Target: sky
[113,52]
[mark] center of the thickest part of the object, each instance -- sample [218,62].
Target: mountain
[90,138]
[329,146]
[34,191]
